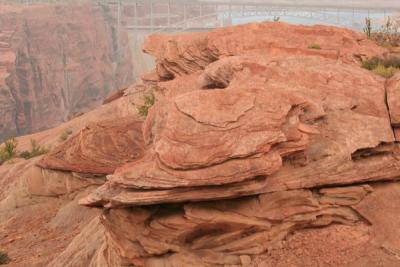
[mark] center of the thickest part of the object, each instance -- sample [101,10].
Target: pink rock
[99,148]
[187,53]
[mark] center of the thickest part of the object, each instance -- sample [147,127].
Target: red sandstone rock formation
[183,54]
[244,149]
[55,62]
[260,116]
[99,148]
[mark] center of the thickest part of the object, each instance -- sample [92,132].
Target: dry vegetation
[314,46]
[148,101]
[4,259]
[65,134]
[385,67]
[387,36]
[36,150]
[8,150]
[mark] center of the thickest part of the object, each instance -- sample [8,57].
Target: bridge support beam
[151,15]
[169,13]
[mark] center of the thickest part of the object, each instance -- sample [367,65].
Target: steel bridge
[186,15]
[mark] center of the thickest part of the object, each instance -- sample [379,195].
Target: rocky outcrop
[57,61]
[243,154]
[231,138]
[184,54]
[274,140]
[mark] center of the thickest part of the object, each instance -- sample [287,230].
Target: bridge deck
[395,6]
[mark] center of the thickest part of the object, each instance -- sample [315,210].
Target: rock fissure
[388,110]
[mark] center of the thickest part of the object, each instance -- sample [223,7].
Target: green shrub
[36,150]
[314,46]
[149,101]
[4,259]
[8,150]
[371,63]
[65,134]
[385,72]
[385,67]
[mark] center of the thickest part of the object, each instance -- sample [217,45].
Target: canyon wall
[57,61]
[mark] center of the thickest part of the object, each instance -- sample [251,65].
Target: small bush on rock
[36,150]
[65,134]
[385,67]
[9,150]
[314,46]
[385,72]
[4,259]
[149,101]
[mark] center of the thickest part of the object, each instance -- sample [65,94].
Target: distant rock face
[253,136]
[55,62]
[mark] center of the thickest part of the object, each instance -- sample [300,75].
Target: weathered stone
[99,148]
[187,53]
[218,233]
[324,133]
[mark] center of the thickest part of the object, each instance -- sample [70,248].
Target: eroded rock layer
[186,53]
[225,233]
[99,148]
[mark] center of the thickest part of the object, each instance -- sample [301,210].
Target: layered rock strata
[99,148]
